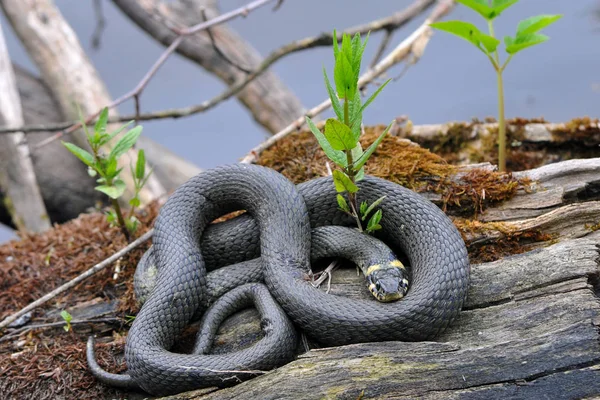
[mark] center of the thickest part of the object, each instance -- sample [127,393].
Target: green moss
[379,367]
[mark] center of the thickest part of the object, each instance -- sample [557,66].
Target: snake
[281,218]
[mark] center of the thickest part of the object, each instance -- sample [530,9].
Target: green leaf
[373,223]
[535,24]
[487,11]
[83,124]
[355,115]
[490,43]
[114,191]
[363,159]
[111,217]
[481,7]
[105,139]
[342,75]
[132,224]
[335,102]
[356,153]
[342,203]
[126,142]
[336,156]
[140,166]
[500,5]
[374,95]
[372,207]
[135,202]
[363,209]
[343,183]
[66,316]
[80,153]
[100,127]
[514,45]
[463,30]
[339,135]
[336,49]
[111,168]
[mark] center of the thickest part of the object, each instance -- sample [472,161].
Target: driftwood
[269,100]
[17,177]
[529,327]
[65,68]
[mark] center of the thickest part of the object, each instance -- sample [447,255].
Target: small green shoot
[67,318]
[105,168]
[527,35]
[340,137]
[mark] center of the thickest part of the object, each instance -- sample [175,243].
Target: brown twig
[218,50]
[382,46]
[100,24]
[397,55]
[393,22]
[183,33]
[81,277]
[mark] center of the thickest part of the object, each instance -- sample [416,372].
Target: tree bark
[22,197]
[267,98]
[65,68]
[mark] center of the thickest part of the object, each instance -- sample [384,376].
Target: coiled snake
[282,217]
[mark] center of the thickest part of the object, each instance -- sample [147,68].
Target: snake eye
[378,286]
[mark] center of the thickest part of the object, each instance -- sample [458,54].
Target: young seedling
[67,318]
[340,139]
[527,35]
[105,167]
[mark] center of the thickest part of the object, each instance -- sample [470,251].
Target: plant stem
[501,121]
[501,125]
[117,207]
[350,171]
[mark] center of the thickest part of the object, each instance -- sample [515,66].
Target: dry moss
[501,240]
[399,160]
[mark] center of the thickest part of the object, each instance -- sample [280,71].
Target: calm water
[558,80]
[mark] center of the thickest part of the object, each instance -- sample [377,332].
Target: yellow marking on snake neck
[375,267]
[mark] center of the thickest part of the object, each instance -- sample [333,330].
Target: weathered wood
[17,177]
[530,323]
[554,185]
[65,68]
[268,99]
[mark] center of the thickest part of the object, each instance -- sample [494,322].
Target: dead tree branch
[403,50]
[17,176]
[392,22]
[66,69]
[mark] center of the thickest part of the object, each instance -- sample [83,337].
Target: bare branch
[17,177]
[100,24]
[397,55]
[137,91]
[392,22]
[217,50]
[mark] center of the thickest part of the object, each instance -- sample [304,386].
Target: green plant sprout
[67,318]
[340,139]
[106,167]
[527,35]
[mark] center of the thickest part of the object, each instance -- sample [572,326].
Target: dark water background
[557,80]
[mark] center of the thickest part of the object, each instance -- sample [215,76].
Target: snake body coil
[282,216]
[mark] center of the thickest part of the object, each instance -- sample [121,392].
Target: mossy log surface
[529,328]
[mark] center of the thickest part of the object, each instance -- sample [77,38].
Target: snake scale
[282,216]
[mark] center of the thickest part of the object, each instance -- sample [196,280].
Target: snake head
[387,282]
